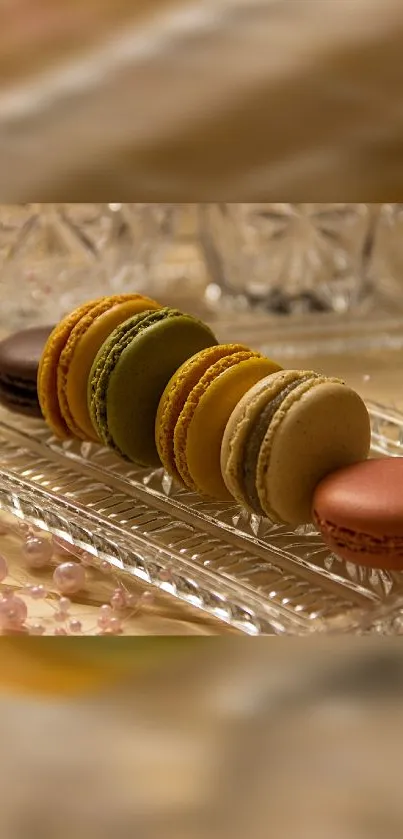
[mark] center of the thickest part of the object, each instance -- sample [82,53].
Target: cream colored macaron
[288,432]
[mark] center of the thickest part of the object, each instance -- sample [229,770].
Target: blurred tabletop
[161,616]
[185,100]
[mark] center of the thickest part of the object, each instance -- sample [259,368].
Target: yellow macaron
[195,409]
[47,372]
[80,351]
[176,394]
[68,358]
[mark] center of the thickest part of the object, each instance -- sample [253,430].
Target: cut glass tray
[257,577]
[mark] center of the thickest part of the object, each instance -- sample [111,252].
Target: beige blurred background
[237,737]
[201,99]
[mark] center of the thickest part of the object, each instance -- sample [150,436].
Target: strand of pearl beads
[69,579]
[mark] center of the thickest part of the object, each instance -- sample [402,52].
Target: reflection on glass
[288,257]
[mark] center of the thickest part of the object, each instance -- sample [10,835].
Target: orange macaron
[195,408]
[68,358]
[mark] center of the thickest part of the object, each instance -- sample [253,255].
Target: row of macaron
[155,385]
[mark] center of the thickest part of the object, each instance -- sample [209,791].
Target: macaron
[68,357]
[80,351]
[195,408]
[359,512]
[47,372]
[20,355]
[285,435]
[130,373]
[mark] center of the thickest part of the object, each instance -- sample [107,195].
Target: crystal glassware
[155,248]
[288,257]
[59,255]
[255,576]
[49,261]
[387,264]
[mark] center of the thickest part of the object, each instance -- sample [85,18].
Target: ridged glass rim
[231,602]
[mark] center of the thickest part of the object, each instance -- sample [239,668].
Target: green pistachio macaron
[130,373]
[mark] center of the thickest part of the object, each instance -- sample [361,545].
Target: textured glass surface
[51,256]
[387,263]
[289,257]
[255,576]
[265,259]
[59,255]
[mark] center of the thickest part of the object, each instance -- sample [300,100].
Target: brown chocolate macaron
[359,512]
[20,354]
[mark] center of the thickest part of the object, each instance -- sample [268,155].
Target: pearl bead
[87,560]
[69,578]
[36,629]
[64,605]
[132,600]
[60,617]
[37,551]
[60,631]
[118,599]
[165,575]
[3,568]
[75,626]
[114,627]
[147,598]
[37,592]
[13,612]
[105,616]
[105,566]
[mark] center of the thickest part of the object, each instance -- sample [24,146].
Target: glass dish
[286,257]
[256,577]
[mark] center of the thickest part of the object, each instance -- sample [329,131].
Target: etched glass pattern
[258,577]
[60,255]
[289,257]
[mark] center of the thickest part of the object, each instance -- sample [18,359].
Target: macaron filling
[107,361]
[359,542]
[253,444]
[20,394]
[15,384]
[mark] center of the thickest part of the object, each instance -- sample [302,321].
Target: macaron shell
[66,354]
[364,554]
[322,426]
[206,428]
[363,549]
[20,355]
[359,511]
[139,379]
[106,361]
[237,429]
[182,426]
[47,373]
[177,392]
[84,348]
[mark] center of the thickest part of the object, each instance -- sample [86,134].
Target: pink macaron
[359,512]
